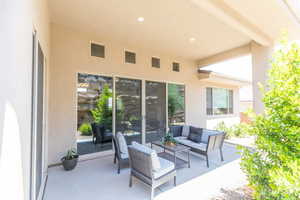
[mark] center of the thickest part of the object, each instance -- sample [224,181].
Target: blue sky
[240,68]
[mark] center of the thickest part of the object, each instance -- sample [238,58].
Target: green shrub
[273,168]
[85,129]
[237,130]
[102,113]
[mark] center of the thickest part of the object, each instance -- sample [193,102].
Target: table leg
[175,159]
[189,161]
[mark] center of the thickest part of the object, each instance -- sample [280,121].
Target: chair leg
[130,180]
[221,154]
[152,193]
[207,162]
[174,180]
[115,158]
[119,167]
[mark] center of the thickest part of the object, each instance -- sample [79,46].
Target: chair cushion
[195,134]
[185,131]
[122,143]
[154,158]
[124,155]
[166,167]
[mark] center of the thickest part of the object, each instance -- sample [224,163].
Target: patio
[98,179]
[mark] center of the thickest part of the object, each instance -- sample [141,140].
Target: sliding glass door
[109,105]
[128,101]
[94,113]
[155,110]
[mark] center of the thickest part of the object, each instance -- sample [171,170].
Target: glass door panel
[129,108]
[94,113]
[155,110]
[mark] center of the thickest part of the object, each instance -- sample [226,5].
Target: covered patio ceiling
[192,29]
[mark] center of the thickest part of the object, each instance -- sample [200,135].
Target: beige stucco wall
[70,54]
[261,57]
[19,18]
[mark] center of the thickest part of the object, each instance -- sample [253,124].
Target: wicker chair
[141,169]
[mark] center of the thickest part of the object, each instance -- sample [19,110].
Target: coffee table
[171,153]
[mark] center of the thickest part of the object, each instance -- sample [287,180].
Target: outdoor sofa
[200,140]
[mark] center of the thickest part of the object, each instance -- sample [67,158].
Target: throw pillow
[195,134]
[176,130]
[185,131]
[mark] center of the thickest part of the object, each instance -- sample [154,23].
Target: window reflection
[155,110]
[129,109]
[94,113]
[176,104]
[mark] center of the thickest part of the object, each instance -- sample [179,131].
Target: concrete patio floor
[98,179]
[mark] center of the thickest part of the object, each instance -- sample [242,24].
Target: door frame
[34,79]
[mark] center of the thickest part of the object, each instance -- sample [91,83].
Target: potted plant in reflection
[169,140]
[70,160]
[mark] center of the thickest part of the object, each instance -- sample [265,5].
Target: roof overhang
[219,28]
[209,76]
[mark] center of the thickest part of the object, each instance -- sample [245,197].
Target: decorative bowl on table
[169,140]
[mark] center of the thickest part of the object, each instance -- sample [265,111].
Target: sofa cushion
[189,143]
[166,167]
[185,131]
[200,146]
[154,158]
[176,130]
[195,134]
[122,143]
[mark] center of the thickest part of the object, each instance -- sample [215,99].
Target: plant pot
[69,164]
[171,144]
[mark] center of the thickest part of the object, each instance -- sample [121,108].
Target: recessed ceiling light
[141,19]
[192,39]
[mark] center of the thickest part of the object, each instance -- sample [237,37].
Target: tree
[103,112]
[273,168]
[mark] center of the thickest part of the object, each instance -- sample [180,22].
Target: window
[155,62]
[219,101]
[176,104]
[176,67]
[130,57]
[97,50]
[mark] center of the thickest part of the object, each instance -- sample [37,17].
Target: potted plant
[70,160]
[169,140]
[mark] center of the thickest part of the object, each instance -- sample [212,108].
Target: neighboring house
[222,98]
[146,52]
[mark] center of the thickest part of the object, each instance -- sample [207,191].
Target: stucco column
[261,56]
[15,98]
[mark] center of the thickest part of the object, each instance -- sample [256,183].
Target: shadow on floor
[242,193]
